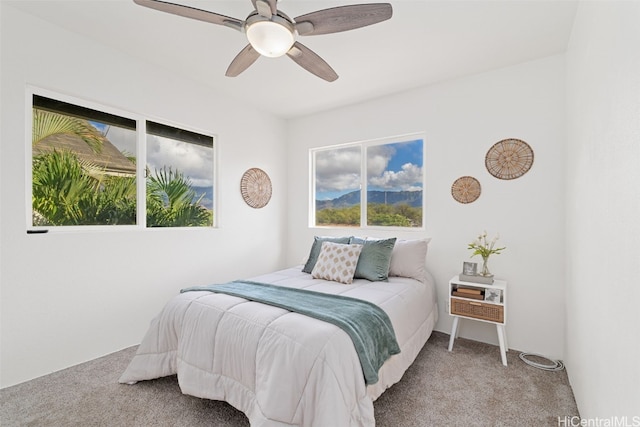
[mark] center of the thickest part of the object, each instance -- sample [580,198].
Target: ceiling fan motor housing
[271,37]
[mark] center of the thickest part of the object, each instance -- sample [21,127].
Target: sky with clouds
[390,167]
[194,161]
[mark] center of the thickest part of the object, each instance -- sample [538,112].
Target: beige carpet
[467,387]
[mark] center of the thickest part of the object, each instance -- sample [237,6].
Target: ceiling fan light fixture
[270,38]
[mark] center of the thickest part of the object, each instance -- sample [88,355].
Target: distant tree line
[401,215]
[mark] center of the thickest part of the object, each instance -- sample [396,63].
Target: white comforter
[282,368]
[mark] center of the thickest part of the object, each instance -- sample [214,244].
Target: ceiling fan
[272,33]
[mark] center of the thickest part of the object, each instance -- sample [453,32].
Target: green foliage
[380,214]
[46,123]
[344,216]
[65,194]
[414,215]
[388,220]
[483,247]
[171,202]
[401,215]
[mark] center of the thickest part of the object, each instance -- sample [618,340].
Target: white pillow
[409,258]
[337,262]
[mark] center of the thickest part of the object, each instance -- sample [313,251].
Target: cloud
[408,178]
[337,170]
[378,158]
[123,139]
[194,161]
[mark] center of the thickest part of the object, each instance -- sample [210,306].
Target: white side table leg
[501,340]
[504,337]
[454,332]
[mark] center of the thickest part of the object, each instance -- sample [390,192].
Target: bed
[283,368]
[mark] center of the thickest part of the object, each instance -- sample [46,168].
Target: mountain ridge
[411,198]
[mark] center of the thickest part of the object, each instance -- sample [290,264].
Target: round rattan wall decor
[255,187]
[466,189]
[509,159]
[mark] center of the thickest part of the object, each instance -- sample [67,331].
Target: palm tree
[68,191]
[65,194]
[171,202]
[47,123]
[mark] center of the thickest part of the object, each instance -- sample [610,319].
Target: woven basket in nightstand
[478,310]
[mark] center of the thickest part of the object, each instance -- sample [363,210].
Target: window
[85,173]
[390,174]
[179,177]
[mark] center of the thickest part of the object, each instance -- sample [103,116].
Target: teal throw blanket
[367,324]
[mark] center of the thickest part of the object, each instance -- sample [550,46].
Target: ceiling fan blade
[310,61]
[265,8]
[192,12]
[342,18]
[242,61]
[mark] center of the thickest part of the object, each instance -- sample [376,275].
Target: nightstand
[481,302]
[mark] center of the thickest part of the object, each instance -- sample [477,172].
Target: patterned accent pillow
[337,262]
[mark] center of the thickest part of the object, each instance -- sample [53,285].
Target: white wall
[461,120]
[68,298]
[603,210]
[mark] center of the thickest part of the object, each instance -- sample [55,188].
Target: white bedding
[282,368]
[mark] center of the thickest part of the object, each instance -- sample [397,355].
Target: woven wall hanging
[466,189]
[255,187]
[509,159]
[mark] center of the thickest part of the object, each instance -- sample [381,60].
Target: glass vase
[485,267]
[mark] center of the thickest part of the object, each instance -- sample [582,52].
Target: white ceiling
[424,42]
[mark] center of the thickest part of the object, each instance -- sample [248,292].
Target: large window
[85,170]
[374,183]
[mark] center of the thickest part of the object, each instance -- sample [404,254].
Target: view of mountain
[411,198]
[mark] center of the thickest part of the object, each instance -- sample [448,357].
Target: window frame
[364,146]
[141,153]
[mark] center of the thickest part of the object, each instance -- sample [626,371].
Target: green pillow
[375,259]
[315,250]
